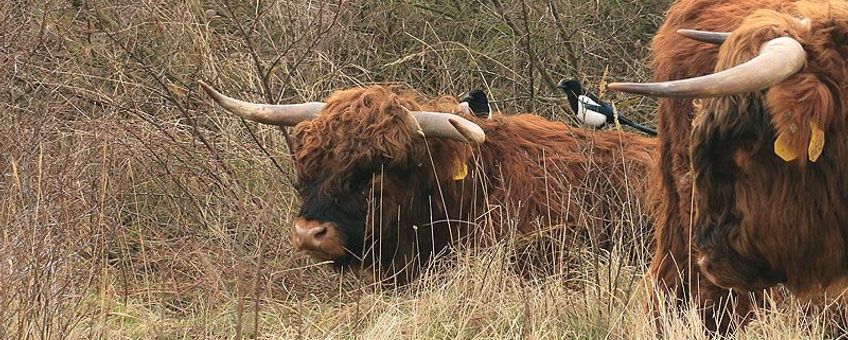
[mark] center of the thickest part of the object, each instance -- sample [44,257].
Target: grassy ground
[132,208]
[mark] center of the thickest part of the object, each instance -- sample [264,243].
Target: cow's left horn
[446,125]
[705,36]
[779,59]
[282,115]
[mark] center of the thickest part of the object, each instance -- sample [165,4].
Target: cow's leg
[829,303]
[724,310]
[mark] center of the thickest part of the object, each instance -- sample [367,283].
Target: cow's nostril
[319,232]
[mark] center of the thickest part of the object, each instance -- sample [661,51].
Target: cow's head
[367,160]
[774,105]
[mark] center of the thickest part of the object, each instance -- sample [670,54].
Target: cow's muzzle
[319,239]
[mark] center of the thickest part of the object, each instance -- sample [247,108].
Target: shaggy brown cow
[767,148]
[386,186]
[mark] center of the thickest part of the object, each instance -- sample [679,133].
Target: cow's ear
[459,168]
[802,108]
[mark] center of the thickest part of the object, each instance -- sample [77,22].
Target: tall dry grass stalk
[132,208]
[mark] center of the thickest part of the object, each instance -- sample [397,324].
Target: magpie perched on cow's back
[594,112]
[476,102]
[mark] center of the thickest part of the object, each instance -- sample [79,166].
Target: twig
[573,61]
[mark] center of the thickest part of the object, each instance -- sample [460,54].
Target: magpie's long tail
[644,129]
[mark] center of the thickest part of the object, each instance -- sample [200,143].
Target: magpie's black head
[477,101]
[570,86]
[572,89]
[477,94]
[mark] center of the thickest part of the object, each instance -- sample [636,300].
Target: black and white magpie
[593,112]
[477,103]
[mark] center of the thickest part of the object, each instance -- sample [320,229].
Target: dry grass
[131,208]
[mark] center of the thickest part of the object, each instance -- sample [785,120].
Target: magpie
[476,102]
[593,112]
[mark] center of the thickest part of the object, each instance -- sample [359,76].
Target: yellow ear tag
[782,148]
[460,169]
[816,146]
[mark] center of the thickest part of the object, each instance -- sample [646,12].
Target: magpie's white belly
[589,117]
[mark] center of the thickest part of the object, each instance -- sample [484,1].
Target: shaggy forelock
[362,128]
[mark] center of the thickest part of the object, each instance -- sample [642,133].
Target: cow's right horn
[779,59]
[705,36]
[282,115]
[446,125]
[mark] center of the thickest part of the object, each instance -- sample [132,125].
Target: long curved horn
[446,125]
[705,36]
[779,59]
[282,115]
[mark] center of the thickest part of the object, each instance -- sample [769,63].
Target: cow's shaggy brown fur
[529,173]
[759,220]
